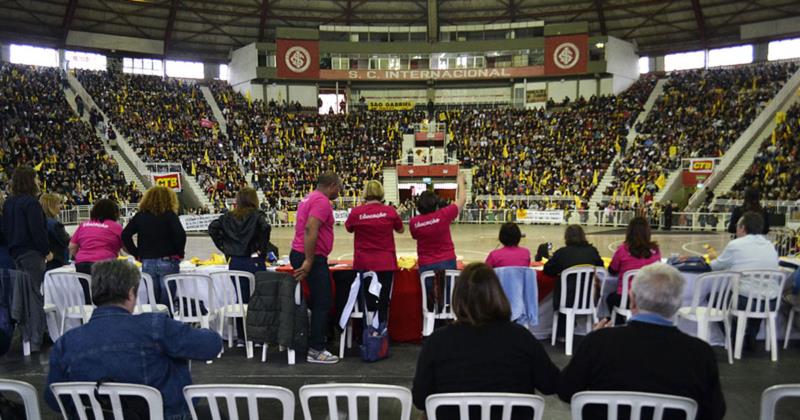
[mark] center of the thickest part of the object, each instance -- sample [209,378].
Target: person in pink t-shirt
[313,242]
[637,251]
[98,239]
[374,250]
[431,229]
[511,254]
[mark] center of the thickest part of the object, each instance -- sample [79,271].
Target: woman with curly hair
[160,237]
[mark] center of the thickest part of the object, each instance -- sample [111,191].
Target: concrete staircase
[223,128]
[390,186]
[192,195]
[608,176]
[128,172]
[748,156]
[740,154]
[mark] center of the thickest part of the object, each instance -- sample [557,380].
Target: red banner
[441,171]
[170,180]
[566,54]
[297,59]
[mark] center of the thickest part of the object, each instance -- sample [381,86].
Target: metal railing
[79,214]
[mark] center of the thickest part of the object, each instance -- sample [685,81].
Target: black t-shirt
[159,235]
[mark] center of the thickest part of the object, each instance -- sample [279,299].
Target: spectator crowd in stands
[700,114]
[41,130]
[775,170]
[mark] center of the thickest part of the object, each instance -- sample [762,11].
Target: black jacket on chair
[564,258]
[645,357]
[272,315]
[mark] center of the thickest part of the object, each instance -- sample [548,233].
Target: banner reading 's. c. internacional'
[452,74]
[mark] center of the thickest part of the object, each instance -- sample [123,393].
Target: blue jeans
[250,265]
[157,268]
[319,282]
[795,280]
[442,265]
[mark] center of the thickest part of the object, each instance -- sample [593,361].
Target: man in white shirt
[749,251]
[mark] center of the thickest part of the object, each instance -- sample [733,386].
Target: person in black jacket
[649,354]
[6,263]
[752,202]
[160,236]
[576,251]
[57,236]
[25,229]
[243,236]
[483,351]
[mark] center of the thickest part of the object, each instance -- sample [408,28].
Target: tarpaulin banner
[390,105]
[297,59]
[170,180]
[566,54]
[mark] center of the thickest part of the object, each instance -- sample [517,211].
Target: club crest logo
[297,59]
[566,56]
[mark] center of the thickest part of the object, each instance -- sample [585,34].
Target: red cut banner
[297,59]
[566,54]
[439,171]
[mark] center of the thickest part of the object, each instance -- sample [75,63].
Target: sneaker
[325,357]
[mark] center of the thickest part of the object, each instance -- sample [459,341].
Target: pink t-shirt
[318,206]
[432,232]
[623,261]
[97,241]
[374,242]
[509,256]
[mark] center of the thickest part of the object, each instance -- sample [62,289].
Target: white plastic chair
[190,291]
[718,289]
[635,400]
[76,390]
[429,318]
[769,284]
[230,393]
[146,301]
[771,395]
[28,394]
[358,313]
[290,355]
[795,302]
[582,304]
[64,290]
[485,401]
[353,392]
[227,287]
[624,308]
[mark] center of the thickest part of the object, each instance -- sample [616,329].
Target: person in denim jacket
[116,346]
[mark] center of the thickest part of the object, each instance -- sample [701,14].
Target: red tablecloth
[405,310]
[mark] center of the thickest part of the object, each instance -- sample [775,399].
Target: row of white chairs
[78,393]
[714,299]
[196,298]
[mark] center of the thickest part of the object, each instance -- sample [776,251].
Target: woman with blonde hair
[373,223]
[57,236]
[160,236]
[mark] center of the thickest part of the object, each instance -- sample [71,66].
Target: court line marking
[614,245]
[684,247]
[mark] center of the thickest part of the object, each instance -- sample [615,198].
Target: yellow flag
[661,181]
[219,173]
[505,151]
[617,146]
[194,169]
[38,167]
[206,159]
[247,96]
[673,151]
[594,178]
[491,203]
[774,137]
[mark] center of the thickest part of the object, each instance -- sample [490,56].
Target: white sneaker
[324,357]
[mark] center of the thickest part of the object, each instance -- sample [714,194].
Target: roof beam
[262,21]
[173,10]
[701,21]
[69,15]
[601,16]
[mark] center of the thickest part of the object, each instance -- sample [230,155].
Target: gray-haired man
[115,346]
[649,354]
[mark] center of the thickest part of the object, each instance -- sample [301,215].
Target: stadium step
[223,128]
[608,176]
[390,186]
[740,155]
[127,171]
